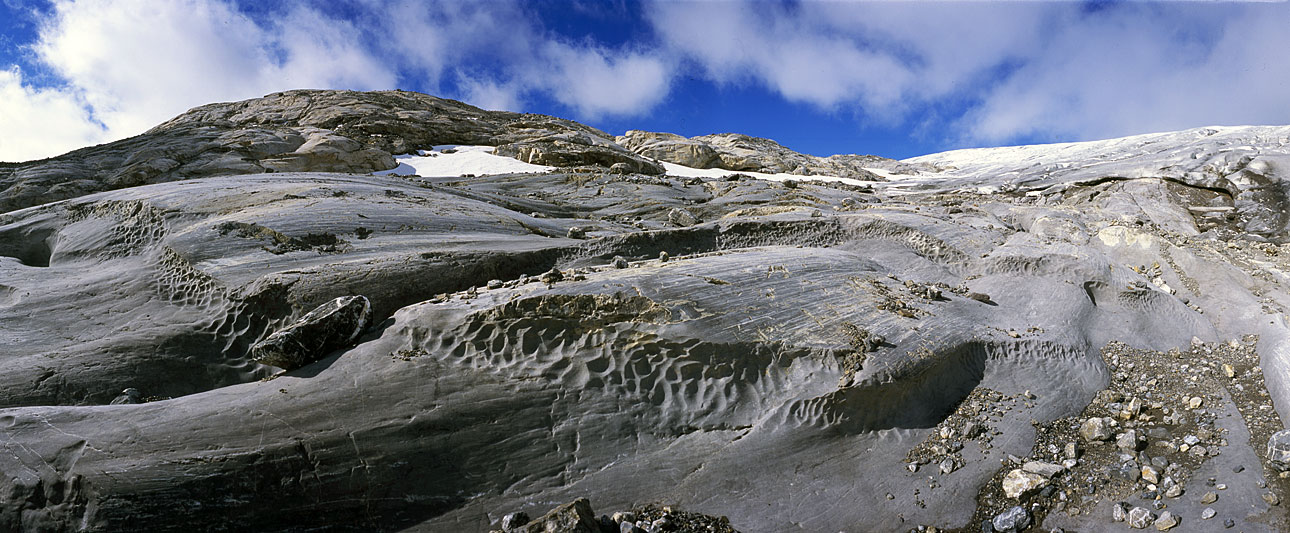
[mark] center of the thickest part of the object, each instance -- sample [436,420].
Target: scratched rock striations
[707,352]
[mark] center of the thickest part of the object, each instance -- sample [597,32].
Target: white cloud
[51,121]
[131,64]
[1003,71]
[128,65]
[594,81]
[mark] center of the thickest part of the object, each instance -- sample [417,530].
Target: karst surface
[686,328]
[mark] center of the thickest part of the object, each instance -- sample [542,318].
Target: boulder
[572,517]
[329,327]
[1279,450]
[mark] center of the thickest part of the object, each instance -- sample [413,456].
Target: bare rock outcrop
[737,152]
[306,131]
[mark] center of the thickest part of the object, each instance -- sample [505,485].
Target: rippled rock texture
[778,366]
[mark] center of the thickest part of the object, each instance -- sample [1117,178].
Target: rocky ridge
[1085,347]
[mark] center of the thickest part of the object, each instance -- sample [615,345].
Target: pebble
[494,284]
[1209,497]
[1166,521]
[619,262]
[1208,513]
[1119,512]
[1139,518]
[1195,403]
[1047,470]
[1174,491]
[947,466]
[1096,429]
[1012,520]
[1271,498]
[1150,474]
[1229,523]
[1128,440]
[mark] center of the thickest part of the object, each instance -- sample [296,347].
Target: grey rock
[1129,441]
[1012,520]
[1140,518]
[513,521]
[1119,512]
[1208,513]
[619,262]
[681,217]
[128,396]
[1166,521]
[1278,452]
[329,327]
[1048,470]
[1096,429]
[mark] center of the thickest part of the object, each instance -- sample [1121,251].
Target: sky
[896,79]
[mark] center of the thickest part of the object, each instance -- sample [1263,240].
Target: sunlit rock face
[805,355]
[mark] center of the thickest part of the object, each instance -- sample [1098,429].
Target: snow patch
[459,160]
[683,171]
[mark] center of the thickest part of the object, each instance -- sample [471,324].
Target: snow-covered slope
[1198,156]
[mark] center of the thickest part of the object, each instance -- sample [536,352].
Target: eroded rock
[327,328]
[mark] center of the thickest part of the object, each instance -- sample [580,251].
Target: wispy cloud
[960,72]
[127,65]
[1007,71]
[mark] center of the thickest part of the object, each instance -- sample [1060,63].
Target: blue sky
[889,78]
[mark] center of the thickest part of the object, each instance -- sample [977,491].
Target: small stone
[1129,470]
[623,516]
[1209,497]
[494,284]
[629,527]
[552,276]
[1048,470]
[1174,491]
[1208,513]
[1097,429]
[1012,520]
[577,232]
[912,467]
[947,466]
[1119,512]
[1271,498]
[1229,371]
[128,396]
[619,262]
[1128,441]
[891,496]
[1019,483]
[1191,440]
[1279,450]
[1150,474]
[681,217]
[1140,517]
[663,256]
[1229,523]
[1195,402]
[514,520]
[1071,450]
[1166,521]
